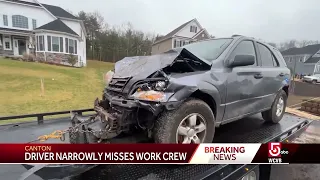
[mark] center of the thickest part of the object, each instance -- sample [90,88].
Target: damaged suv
[182,95]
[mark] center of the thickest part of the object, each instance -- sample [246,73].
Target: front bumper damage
[107,124]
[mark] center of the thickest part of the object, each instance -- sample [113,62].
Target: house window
[55,44]
[177,43]
[301,59]
[40,43]
[193,29]
[5,20]
[34,23]
[286,58]
[72,46]
[61,44]
[49,43]
[67,45]
[7,43]
[20,21]
[202,35]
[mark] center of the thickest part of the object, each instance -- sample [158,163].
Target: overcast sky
[272,20]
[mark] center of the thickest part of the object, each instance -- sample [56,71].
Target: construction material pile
[311,106]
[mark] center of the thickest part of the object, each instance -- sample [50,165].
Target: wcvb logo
[274,149]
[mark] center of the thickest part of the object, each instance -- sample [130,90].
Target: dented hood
[144,66]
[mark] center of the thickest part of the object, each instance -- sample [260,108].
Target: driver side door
[243,84]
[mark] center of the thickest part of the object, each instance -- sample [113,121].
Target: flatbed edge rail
[235,171]
[40,116]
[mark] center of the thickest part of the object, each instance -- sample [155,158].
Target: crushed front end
[138,90]
[120,112]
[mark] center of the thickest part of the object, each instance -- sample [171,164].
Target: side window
[245,48]
[266,56]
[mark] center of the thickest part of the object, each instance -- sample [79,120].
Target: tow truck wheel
[252,175]
[191,123]
[277,110]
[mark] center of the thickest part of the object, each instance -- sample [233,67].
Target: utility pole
[294,68]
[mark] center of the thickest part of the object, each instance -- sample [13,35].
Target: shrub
[72,59]
[28,57]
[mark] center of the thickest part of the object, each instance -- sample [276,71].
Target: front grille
[117,85]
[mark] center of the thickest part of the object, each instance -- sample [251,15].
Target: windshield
[209,50]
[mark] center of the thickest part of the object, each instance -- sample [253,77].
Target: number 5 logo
[274,149]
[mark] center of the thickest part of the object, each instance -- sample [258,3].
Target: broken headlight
[149,95]
[108,77]
[151,91]
[160,85]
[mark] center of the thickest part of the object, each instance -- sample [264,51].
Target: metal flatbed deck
[249,130]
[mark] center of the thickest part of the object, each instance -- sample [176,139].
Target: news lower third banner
[272,153]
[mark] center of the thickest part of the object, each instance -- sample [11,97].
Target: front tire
[314,81]
[275,114]
[192,123]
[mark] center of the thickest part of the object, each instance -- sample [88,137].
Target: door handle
[281,74]
[258,76]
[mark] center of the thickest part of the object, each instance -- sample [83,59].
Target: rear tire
[275,114]
[192,122]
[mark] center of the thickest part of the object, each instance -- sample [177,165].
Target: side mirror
[243,60]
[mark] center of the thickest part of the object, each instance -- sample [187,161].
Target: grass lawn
[65,88]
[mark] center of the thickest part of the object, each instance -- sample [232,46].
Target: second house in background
[49,32]
[304,60]
[188,32]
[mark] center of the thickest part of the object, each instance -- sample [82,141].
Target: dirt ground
[300,91]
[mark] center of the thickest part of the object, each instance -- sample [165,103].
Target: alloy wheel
[280,106]
[192,129]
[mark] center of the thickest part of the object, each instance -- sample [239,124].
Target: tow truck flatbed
[255,131]
[242,131]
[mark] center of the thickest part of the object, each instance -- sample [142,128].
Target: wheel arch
[286,89]
[207,99]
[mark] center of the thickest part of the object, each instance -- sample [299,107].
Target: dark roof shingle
[311,49]
[313,60]
[58,25]
[170,34]
[58,11]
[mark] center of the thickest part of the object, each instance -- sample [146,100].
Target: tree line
[112,43]
[293,44]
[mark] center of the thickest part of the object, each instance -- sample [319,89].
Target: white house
[49,32]
[186,33]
